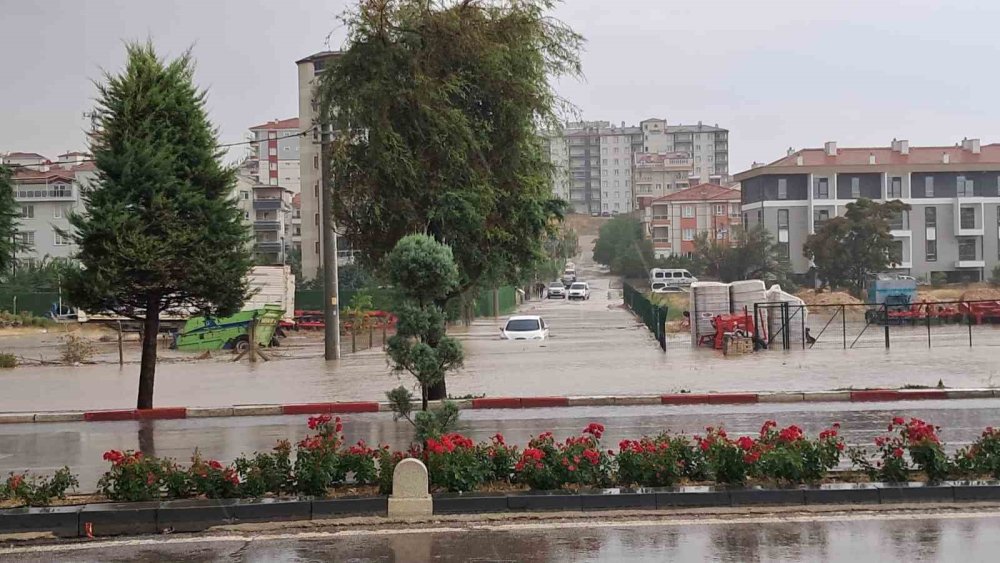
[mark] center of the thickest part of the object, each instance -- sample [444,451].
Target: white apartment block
[707,145]
[275,159]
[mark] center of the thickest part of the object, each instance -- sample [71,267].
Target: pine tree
[161,231]
[8,222]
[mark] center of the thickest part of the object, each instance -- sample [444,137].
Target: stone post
[410,492]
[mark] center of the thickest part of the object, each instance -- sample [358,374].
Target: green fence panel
[652,315]
[37,304]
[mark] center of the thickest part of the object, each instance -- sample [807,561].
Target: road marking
[708,520]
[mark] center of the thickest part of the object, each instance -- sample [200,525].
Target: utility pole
[331,313]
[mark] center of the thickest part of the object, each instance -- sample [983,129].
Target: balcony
[269,246]
[22,193]
[268,204]
[970,263]
[267,225]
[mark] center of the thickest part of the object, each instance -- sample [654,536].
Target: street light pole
[331,314]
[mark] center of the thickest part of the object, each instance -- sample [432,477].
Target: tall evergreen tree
[8,222]
[161,231]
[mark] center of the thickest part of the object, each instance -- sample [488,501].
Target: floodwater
[854,538]
[596,348]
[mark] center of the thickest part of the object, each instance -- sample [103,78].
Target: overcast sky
[775,73]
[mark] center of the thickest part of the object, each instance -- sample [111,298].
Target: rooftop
[702,192]
[278,124]
[23,155]
[318,56]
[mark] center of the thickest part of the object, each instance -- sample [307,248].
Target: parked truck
[230,333]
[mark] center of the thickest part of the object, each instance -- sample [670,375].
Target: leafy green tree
[439,107]
[622,247]
[42,275]
[161,230]
[751,254]
[849,249]
[424,271]
[9,243]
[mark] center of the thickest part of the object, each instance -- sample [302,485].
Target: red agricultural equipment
[314,320]
[981,311]
[739,324]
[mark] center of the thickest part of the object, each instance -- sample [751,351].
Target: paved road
[853,538]
[596,348]
[45,447]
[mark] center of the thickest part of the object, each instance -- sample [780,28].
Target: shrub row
[322,460]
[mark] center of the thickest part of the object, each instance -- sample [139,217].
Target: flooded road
[46,447]
[855,538]
[596,348]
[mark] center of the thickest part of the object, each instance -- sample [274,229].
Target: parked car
[671,276]
[556,290]
[525,327]
[579,290]
[664,287]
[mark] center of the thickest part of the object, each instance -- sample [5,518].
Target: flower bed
[321,464]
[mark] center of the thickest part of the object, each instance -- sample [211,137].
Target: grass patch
[8,361]
[676,303]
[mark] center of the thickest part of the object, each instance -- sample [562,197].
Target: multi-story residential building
[276,152]
[47,194]
[659,173]
[708,146]
[953,191]
[673,221]
[309,161]
[599,167]
[272,223]
[297,222]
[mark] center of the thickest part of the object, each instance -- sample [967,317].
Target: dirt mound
[981,293]
[812,297]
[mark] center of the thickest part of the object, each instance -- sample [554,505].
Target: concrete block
[972,491]
[780,398]
[693,497]
[195,515]
[916,493]
[272,510]
[59,417]
[743,497]
[545,501]
[114,519]
[617,500]
[16,418]
[336,507]
[452,503]
[410,490]
[603,401]
[969,393]
[60,521]
[209,412]
[842,494]
[826,396]
[637,400]
[257,410]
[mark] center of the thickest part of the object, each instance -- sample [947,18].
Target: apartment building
[954,193]
[46,194]
[309,161]
[276,153]
[673,221]
[708,146]
[600,167]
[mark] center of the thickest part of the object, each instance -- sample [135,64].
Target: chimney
[831,148]
[971,145]
[871,158]
[904,146]
[945,158]
[790,152]
[798,160]
[623,124]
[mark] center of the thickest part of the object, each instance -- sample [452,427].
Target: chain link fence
[652,315]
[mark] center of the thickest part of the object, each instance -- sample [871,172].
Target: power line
[222,146]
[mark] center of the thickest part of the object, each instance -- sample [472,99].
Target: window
[896,253]
[316,247]
[687,234]
[604,184]
[687,211]
[928,186]
[822,188]
[966,248]
[316,190]
[784,250]
[616,150]
[746,220]
[897,222]
[27,238]
[782,188]
[616,183]
[316,161]
[604,161]
[968,217]
[820,217]
[272,151]
[626,183]
[697,148]
[604,150]
[316,219]
[930,217]
[964,187]
[782,218]
[931,251]
[61,240]
[28,211]
[617,162]
[659,187]
[605,194]
[855,187]
[895,187]
[58,212]
[760,217]
[720,210]
[246,194]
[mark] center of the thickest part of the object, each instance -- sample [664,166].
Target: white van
[670,277]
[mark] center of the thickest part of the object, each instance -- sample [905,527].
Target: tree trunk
[147,369]
[438,392]
[424,392]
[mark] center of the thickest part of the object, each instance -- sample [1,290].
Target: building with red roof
[673,221]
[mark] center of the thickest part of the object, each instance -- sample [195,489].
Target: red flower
[533,453]
[897,453]
[315,421]
[498,438]
[768,424]
[751,457]
[114,456]
[15,481]
[137,456]
[572,468]
[592,456]
[790,434]
[897,420]
[745,443]
[594,429]
[214,464]
[840,446]
[150,478]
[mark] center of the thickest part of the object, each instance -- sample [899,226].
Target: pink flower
[897,453]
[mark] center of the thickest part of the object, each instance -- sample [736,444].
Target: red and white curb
[169,413]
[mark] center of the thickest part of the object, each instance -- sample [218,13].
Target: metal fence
[652,315]
[871,325]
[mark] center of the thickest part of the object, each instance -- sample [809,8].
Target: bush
[317,460]
[995,275]
[266,472]
[938,279]
[546,465]
[361,462]
[136,477]
[33,490]
[211,479]
[656,462]
[788,456]
[501,458]
[455,464]
[8,361]
[726,461]
[915,436]
[77,350]
[983,456]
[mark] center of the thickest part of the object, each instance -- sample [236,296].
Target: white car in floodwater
[525,327]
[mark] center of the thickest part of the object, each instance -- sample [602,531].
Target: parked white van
[664,277]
